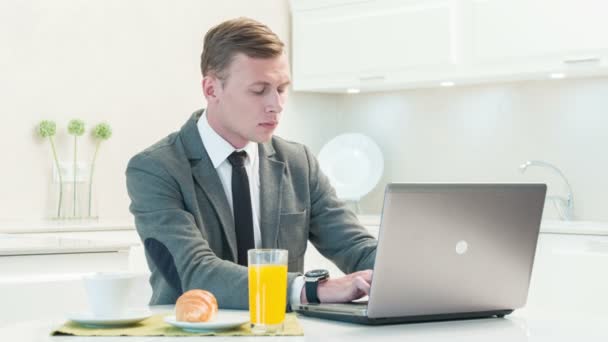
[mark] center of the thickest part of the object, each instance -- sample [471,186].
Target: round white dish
[128,318]
[353,163]
[224,320]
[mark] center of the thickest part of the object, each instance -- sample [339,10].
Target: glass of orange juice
[267,289]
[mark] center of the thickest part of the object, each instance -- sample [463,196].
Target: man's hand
[344,289]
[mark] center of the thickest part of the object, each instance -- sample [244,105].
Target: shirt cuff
[296,290]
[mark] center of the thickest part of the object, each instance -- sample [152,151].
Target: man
[223,184]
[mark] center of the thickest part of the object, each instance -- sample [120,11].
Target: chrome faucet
[566,205]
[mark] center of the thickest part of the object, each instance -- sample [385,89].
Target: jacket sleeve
[334,229]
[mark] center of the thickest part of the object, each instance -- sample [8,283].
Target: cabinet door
[364,43]
[569,274]
[562,31]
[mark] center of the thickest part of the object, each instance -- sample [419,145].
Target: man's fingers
[366,274]
[362,284]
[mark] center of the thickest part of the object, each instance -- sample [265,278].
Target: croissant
[196,306]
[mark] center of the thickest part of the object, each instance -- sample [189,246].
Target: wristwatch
[312,280]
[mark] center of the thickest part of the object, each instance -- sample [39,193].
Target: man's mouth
[271,124]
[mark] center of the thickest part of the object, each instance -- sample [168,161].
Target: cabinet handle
[587,60]
[372,78]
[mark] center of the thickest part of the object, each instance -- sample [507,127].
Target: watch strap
[311,291]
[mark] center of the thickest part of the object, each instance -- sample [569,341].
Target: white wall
[134,64]
[483,133]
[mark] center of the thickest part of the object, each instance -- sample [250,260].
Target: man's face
[247,104]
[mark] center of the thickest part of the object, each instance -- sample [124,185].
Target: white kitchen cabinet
[41,273]
[370,44]
[387,44]
[569,272]
[538,35]
[53,237]
[35,286]
[136,257]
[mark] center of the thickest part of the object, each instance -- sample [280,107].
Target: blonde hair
[240,35]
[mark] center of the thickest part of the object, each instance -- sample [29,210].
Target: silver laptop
[448,251]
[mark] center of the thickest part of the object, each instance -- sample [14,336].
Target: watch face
[317,273]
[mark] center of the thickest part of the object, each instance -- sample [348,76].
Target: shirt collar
[217,147]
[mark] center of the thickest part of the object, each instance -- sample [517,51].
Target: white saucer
[223,320]
[128,318]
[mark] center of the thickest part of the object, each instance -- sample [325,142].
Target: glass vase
[73,199]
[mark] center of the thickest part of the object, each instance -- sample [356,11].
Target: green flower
[47,128]
[76,127]
[102,131]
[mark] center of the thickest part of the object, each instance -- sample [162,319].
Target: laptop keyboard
[353,308]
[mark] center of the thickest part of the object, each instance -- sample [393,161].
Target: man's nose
[275,102]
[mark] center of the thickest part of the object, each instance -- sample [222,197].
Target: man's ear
[211,86]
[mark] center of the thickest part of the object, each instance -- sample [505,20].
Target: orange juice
[267,293]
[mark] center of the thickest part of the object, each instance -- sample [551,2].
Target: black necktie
[241,203]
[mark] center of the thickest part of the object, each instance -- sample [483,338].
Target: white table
[520,326]
[568,301]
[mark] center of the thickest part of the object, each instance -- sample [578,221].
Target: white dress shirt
[218,150]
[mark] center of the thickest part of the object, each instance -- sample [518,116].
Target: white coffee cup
[108,292]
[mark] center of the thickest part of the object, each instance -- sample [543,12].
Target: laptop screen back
[453,248]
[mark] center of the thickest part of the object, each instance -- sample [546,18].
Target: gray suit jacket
[187,228]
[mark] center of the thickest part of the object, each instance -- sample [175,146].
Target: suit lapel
[271,182]
[207,178]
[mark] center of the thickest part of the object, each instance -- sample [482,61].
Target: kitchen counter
[574,227]
[14,244]
[547,226]
[59,226]
[370,221]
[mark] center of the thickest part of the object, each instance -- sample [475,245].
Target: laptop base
[405,319]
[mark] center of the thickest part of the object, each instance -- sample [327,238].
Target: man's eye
[259,92]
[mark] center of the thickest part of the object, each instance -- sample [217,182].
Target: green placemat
[155,326]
